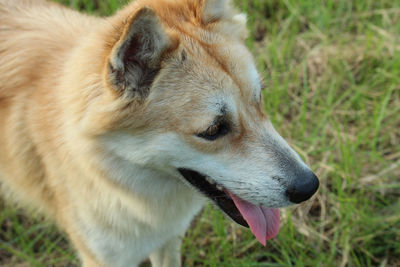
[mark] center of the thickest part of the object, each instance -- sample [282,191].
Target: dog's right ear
[136,58]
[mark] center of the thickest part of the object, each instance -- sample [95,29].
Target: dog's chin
[214,192]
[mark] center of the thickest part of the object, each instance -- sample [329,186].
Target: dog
[121,128]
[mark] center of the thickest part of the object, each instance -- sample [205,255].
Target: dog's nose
[303,187]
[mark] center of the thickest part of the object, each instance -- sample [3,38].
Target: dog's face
[193,108]
[216,118]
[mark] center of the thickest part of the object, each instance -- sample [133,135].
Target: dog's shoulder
[33,35]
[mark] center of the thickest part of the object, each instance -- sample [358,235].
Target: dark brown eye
[214,131]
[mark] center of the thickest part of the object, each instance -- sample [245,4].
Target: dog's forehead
[229,65]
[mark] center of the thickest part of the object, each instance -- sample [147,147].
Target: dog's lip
[219,196]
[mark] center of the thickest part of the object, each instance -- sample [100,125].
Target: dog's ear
[135,59]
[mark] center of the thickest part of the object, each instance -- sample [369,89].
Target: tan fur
[59,106]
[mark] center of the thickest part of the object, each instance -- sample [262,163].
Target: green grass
[332,76]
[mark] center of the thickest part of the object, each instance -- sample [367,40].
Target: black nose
[303,187]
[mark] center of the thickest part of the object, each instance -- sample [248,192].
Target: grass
[332,75]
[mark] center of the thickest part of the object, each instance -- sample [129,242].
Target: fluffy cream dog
[120,128]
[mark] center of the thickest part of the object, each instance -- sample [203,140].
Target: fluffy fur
[97,114]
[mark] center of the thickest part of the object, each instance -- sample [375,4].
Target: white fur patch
[240,18]
[159,206]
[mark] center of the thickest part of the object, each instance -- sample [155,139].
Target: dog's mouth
[263,221]
[215,192]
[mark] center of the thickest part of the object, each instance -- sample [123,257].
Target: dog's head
[182,96]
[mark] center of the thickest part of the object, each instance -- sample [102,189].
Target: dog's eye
[214,131]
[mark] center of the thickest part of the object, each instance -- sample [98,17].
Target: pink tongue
[263,221]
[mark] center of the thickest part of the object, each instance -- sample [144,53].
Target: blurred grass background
[332,76]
